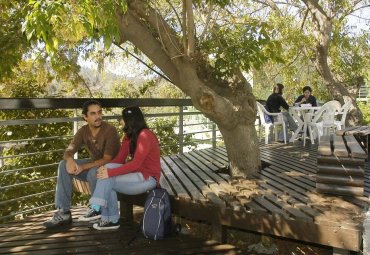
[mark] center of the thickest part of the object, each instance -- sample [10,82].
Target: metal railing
[33,139]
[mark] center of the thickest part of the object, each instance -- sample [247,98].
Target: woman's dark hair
[134,123]
[307,88]
[85,106]
[278,88]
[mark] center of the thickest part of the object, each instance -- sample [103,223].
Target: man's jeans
[63,191]
[105,192]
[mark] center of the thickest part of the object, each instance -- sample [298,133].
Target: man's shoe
[91,215]
[106,225]
[59,219]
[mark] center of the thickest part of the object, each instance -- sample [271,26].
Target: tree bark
[241,143]
[323,35]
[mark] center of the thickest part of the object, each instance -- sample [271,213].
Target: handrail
[16,178]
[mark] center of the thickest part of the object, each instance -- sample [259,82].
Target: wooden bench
[196,206]
[340,162]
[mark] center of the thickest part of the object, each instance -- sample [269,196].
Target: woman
[274,103]
[135,170]
[307,97]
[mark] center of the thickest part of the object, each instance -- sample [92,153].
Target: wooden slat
[186,183]
[355,148]
[345,161]
[340,190]
[340,149]
[340,180]
[324,146]
[340,170]
[201,185]
[177,186]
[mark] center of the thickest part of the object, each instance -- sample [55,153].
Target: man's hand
[71,166]
[79,169]
[102,173]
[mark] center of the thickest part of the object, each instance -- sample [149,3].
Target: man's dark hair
[278,88]
[307,88]
[85,106]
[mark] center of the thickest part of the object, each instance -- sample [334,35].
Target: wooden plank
[340,180]
[177,186]
[186,183]
[340,149]
[340,170]
[345,131]
[355,148]
[198,182]
[342,160]
[339,190]
[324,146]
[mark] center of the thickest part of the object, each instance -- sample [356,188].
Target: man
[307,97]
[102,142]
[274,103]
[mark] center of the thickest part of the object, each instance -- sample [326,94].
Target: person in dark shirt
[274,104]
[307,97]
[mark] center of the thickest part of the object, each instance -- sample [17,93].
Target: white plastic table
[306,112]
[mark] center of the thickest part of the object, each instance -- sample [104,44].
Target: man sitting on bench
[102,141]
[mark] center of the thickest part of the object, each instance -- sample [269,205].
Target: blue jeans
[105,192]
[63,191]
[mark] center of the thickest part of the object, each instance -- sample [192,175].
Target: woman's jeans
[63,191]
[105,191]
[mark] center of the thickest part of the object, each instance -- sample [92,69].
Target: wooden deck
[280,200]
[29,237]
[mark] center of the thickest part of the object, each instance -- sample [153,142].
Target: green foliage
[43,153]
[168,139]
[243,46]
[13,43]
[71,22]
[365,109]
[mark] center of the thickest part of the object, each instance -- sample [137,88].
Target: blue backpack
[157,222]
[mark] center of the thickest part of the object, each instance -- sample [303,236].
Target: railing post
[75,129]
[181,129]
[214,135]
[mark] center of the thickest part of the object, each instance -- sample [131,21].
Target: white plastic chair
[341,124]
[262,112]
[322,120]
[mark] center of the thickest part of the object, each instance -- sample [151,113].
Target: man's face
[307,94]
[94,116]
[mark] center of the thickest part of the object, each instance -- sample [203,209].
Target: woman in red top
[135,170]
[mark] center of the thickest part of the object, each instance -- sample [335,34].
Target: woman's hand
[102,173]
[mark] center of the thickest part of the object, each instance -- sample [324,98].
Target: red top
[146,159]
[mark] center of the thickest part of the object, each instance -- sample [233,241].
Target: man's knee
[62,167]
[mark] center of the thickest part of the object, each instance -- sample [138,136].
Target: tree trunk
[229,103]
[323,34]
[242,149]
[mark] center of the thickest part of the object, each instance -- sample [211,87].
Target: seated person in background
[306,98]
[273,104]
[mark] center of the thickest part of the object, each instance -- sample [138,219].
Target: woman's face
[122,123]
[307,94]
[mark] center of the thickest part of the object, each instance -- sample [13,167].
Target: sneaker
[91,215]
[106,225]
[59,219]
